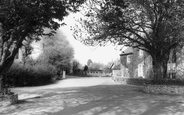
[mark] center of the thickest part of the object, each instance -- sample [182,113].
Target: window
[128,59]
[141,70]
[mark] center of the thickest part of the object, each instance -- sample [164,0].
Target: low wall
[131,81]
[153,88]
[8,100]
[164,89]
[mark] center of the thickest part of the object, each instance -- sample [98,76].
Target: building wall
[116,73]
[180,64]
[145,62]
[124,71]
[140,65]
[125,65]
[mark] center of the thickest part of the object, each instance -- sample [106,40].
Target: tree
[85,69]
[155,26]
[58,52]
[89,62]
[27,19]
[76,66]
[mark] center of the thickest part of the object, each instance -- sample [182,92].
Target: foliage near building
[155,26]
[32,73]
[27,19]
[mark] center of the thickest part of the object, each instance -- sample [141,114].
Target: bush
[177,82]
[137,81]
[30,74]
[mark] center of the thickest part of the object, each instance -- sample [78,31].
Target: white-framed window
[141,53]
[128,58]
[141,70]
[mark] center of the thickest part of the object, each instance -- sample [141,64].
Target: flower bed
[164,89]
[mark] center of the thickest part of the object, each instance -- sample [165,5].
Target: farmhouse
[136,63]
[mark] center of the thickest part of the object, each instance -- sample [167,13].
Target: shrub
[178,82]
[30,75]
[137,81]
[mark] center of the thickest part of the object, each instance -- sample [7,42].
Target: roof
[116,67]
[127,51]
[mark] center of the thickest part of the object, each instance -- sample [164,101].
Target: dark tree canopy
[85,68]
[27,19]
[155,26]
[142,24]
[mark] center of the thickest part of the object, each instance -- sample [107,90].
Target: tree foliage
[76,66]
[21,19]
[57,51]
[155,26]
[85,69]
[89,62]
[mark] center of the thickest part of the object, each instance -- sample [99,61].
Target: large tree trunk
[159,67]
[7,58]
[5,64]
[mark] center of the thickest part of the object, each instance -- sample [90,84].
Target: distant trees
[58,52]
[85,69]
[76,66]
[96,66]
[155,26]
[89,62]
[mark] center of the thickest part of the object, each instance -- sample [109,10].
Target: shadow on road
[119,100]
[102,99]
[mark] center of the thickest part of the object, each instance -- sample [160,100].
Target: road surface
[92,96]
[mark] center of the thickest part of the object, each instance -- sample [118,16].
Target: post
[64,74]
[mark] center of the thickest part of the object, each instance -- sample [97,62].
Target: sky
[96,54]
[82,52]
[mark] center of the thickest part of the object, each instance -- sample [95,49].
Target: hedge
[30,75]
